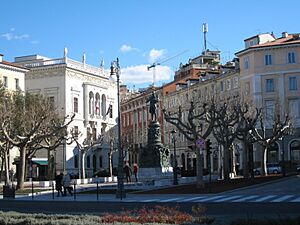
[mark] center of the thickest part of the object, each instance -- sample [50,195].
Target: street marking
[285,197]
[228,198]
[264,198]
[170,200]
[245,198]
[191,199]
[150,200]
[296,200]
[210,198]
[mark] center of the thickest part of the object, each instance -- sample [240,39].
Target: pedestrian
[58,184]
[67,184]
[135,171]
[128,172]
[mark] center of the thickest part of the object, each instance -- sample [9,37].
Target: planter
[9,191]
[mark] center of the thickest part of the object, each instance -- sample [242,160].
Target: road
[280,198]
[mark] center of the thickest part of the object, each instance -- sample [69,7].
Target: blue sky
[138,32]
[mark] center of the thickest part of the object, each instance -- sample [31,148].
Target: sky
[139,32]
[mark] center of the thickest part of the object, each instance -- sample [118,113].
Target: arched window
[91,103]
[75,161]
[88,161]
[94,163]
[295,152]
[273,153]
[103,105]
[100,161]
[97,104]
[189,162]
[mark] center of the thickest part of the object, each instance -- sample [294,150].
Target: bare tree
[199,125]
[267,137]
[83,147]
[28,120]
[225,131]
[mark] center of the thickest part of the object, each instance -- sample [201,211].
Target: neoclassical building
[81,89]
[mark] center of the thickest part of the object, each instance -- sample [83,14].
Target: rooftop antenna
[205,30]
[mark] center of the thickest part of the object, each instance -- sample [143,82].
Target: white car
[272,168]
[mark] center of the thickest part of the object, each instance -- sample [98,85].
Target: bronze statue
[153,99]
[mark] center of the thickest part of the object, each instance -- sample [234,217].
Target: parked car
[298,168]
[272,168]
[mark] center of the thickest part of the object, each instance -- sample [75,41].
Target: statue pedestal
[155,173]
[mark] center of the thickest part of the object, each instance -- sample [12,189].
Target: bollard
[97,191]
[52,190]
[74,191]
[32,192]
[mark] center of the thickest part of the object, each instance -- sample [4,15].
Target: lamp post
[115,70]
[282,156]
[175,180]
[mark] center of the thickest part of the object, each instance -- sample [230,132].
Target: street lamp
[115,70]
[175,180]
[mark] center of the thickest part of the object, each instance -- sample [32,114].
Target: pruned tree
[267,136]
[248,121]
[199,125]
[83,147]
[110,137]
[29,120]
[225,131]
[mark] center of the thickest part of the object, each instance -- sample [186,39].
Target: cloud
[127,48]
[156,54]
[20,37]
[140,74]
[11,36]
[35,42]
[8,36]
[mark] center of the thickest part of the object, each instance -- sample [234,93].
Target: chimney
[1,57]
[285,34]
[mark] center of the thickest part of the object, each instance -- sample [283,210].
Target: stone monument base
[155,173]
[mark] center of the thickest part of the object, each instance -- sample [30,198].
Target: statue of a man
[153,99]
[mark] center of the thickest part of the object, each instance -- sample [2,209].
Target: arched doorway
[273,153]
[94,163]
[295,152]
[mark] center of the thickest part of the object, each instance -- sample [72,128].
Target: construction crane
[157,63]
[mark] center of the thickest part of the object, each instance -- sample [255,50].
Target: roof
[290,39]
[12,64]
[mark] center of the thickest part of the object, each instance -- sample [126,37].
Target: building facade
[81,89]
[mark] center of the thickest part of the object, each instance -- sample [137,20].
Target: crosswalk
[225,198]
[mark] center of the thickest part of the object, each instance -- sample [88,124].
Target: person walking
[135,171]
[128,172]
[58,184]
[67,184]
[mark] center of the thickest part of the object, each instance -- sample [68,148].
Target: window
[88,161]
[76,131]
[228,84]
[75,102]
[235,82]
[269,85]
[291,57]
[221,86]
[294,107]
[5,81]
[100,161]
[246,63]
[75,161]
[292,83]
[51,102]
[110,111]
[88,133]
[17,83]
[103,105]
[270,109]
[268,60]
[94,134]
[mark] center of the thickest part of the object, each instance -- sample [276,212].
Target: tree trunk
[2,167]
[226,162]
[50,166]
[200,183]
[264,161]
[21,172]
[7,181]
[110,166]
[245,160]
[82,165]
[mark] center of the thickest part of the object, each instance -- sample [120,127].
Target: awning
[40,162]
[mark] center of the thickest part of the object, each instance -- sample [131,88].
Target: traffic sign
[200,143]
